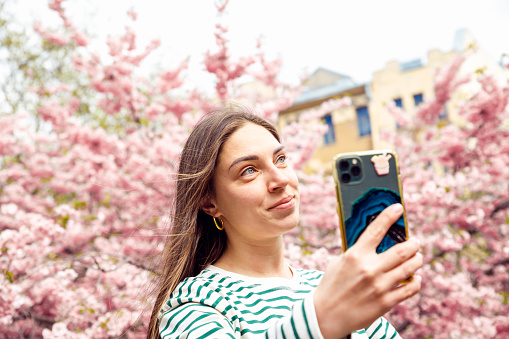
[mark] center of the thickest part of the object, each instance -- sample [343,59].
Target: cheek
[294,181]
[238,199]
[249,197]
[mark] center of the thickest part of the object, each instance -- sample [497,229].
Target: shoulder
[197,289]
[197,301]
[225,291]
[210,288]
[197,309]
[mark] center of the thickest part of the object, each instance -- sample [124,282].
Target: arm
[196,320]
[355,291]
[381,328]
[361,285]
[302,322]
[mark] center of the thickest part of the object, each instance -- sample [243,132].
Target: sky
[355,38]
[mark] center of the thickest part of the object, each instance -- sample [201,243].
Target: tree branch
[492,269]
[499,208]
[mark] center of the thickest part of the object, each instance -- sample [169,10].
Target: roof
[409,65]
[328,71]
[326,91]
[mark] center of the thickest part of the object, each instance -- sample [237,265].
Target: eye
[281,159]
[248,171]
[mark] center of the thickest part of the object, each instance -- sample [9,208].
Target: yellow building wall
[347,140]
[392,83]
[346,132]
[387,85]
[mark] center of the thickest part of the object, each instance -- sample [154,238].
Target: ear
[208,205]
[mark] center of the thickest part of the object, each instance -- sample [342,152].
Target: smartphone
[367,183]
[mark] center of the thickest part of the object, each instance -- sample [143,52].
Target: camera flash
[354,161]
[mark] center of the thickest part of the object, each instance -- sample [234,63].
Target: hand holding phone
[361,285]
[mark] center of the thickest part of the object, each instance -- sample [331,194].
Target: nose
[277,178]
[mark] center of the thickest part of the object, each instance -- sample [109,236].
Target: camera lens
[343,164]
[345,177]
[356,170]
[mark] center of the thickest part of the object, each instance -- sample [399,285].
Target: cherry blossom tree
[88,174]
[88,155]
[456,184]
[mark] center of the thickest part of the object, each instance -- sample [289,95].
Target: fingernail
[417,241]
[397,208]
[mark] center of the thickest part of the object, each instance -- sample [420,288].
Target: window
[418,99]
[363,121]
[399,103]
[328,137]
[443,115]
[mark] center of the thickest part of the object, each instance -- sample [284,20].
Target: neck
[254,260]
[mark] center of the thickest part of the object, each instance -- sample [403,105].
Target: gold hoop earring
[215,222]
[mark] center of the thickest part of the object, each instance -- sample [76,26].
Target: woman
[224,273]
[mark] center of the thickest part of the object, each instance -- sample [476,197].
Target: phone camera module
[349,169]
[356,170]
[345,177]
[343,165]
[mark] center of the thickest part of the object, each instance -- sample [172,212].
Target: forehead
[250,139]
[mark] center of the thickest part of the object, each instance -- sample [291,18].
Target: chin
[291,222]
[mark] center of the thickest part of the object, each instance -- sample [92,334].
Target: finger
[404,271]
[376,231]
[398,254]
[403,292]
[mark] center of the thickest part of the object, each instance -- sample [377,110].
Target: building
[408,84]
[349,127]
[405,83]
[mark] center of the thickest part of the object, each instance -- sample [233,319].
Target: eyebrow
[253,157]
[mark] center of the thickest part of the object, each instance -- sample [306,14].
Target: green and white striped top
[221,304]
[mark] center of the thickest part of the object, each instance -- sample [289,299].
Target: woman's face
[256,191]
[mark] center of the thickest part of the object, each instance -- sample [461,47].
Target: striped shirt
[221,304]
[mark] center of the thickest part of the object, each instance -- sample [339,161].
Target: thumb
[376,231]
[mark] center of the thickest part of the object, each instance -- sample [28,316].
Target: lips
[286,202]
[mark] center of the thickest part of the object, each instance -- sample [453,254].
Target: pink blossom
[115,46]
[399,115]
[221,7]
[129,39]
[85,199]
[132,14]
[326,107]
[56,114]
[80,38]
[171,79]
[154,110]
[52,37]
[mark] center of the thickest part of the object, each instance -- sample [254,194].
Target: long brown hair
[195,242]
